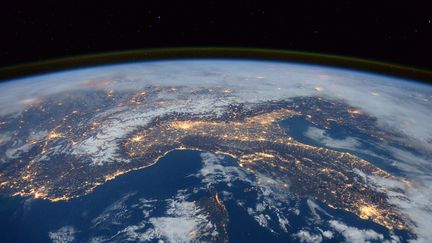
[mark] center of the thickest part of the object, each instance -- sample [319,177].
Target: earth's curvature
[215,151]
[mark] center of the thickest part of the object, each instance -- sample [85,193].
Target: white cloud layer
[320,136]
[65,234]
[355,235]
[404,106]
[181,220]
[308,237]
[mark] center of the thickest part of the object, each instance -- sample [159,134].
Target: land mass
[249,133]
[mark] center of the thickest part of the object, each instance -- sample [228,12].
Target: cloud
[314,208]
[398,104]
[355,235]
[320,136]
[213,171]
[183,225]
[416,167]
[65,234]
[16,152]
[327,234]
[307,237]
[413,200]
[5,137]
[180,221]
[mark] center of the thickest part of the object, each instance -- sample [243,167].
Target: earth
[215,151]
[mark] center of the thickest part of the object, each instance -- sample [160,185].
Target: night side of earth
[215,151]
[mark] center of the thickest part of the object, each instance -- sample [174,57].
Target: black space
[397,32]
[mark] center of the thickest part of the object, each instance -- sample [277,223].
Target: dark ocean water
[26,220]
